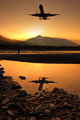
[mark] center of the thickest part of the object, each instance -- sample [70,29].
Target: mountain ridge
[39,40]
[48,41]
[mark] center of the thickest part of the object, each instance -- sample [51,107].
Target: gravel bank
[16,104]
[43,58]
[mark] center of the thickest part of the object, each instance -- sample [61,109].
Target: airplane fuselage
[42,11]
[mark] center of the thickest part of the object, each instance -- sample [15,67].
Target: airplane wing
[48,14]
[36,15]
[34,81]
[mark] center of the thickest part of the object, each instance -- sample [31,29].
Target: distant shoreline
[43,58]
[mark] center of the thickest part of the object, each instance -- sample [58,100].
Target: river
[67,75]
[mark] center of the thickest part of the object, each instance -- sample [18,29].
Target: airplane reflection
[42,80]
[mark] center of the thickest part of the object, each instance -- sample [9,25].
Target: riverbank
[43,58]
[16,104]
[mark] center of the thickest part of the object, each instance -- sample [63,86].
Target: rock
[10,113]
[71,117]
[43,90]
[77,104]
[58,118]
[53,95]
[16,85]
[22,92]
[22,77]
[58,99]
[47,112]
[70,95]
[9,105]
[6,118]
[67,105]
[4,108]
[18,105]
[36,103]
[36,93]
[52,106]
[41,98]
[31,113]
[56,89]
[32,118]
[53,119]
[27,108]
[38,109]
[40,115]
[5,101]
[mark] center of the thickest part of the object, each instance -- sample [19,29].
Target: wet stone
[41,115]
[58,118]
[4,108]
[6,118]
[10,113]
[31,113]
[52,106]
[32,118]
[41,98]
[71,117]
[5,101]
[53,95]
[38,109]
[47,112]
[52,118]
[77,104]
[67,105]
[36,93]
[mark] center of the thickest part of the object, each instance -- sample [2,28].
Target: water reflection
[67,75]
[42,80]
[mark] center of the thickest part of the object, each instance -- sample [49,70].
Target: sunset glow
[15,23]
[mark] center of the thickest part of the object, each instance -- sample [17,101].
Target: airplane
[42,81]
[42,15]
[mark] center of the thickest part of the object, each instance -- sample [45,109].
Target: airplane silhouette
[42,15]
[42,81]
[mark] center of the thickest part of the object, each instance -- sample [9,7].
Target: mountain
[47,41]
[39,40]
[4,40]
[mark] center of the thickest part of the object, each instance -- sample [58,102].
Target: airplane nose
[40,6]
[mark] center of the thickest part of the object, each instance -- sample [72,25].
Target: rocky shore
[43,58]
[17,104]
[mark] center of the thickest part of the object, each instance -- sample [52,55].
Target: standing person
[18,50]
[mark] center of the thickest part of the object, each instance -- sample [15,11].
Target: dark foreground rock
[16,104]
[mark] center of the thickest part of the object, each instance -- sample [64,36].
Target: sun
[36,31]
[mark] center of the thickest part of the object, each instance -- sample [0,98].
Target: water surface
[67,75]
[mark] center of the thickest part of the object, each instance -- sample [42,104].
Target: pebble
[58,118]
[41,115]
[10,113]
[52,118]
[22,77]
[5,101]
[32,118]
[38,109]
[47,112]
[67,105]
[41,98]
[4,108]
[52,106]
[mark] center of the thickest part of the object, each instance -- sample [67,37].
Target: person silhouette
[18,50]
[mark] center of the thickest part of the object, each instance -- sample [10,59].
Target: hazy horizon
[73,40]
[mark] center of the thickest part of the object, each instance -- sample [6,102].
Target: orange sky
[15,23]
